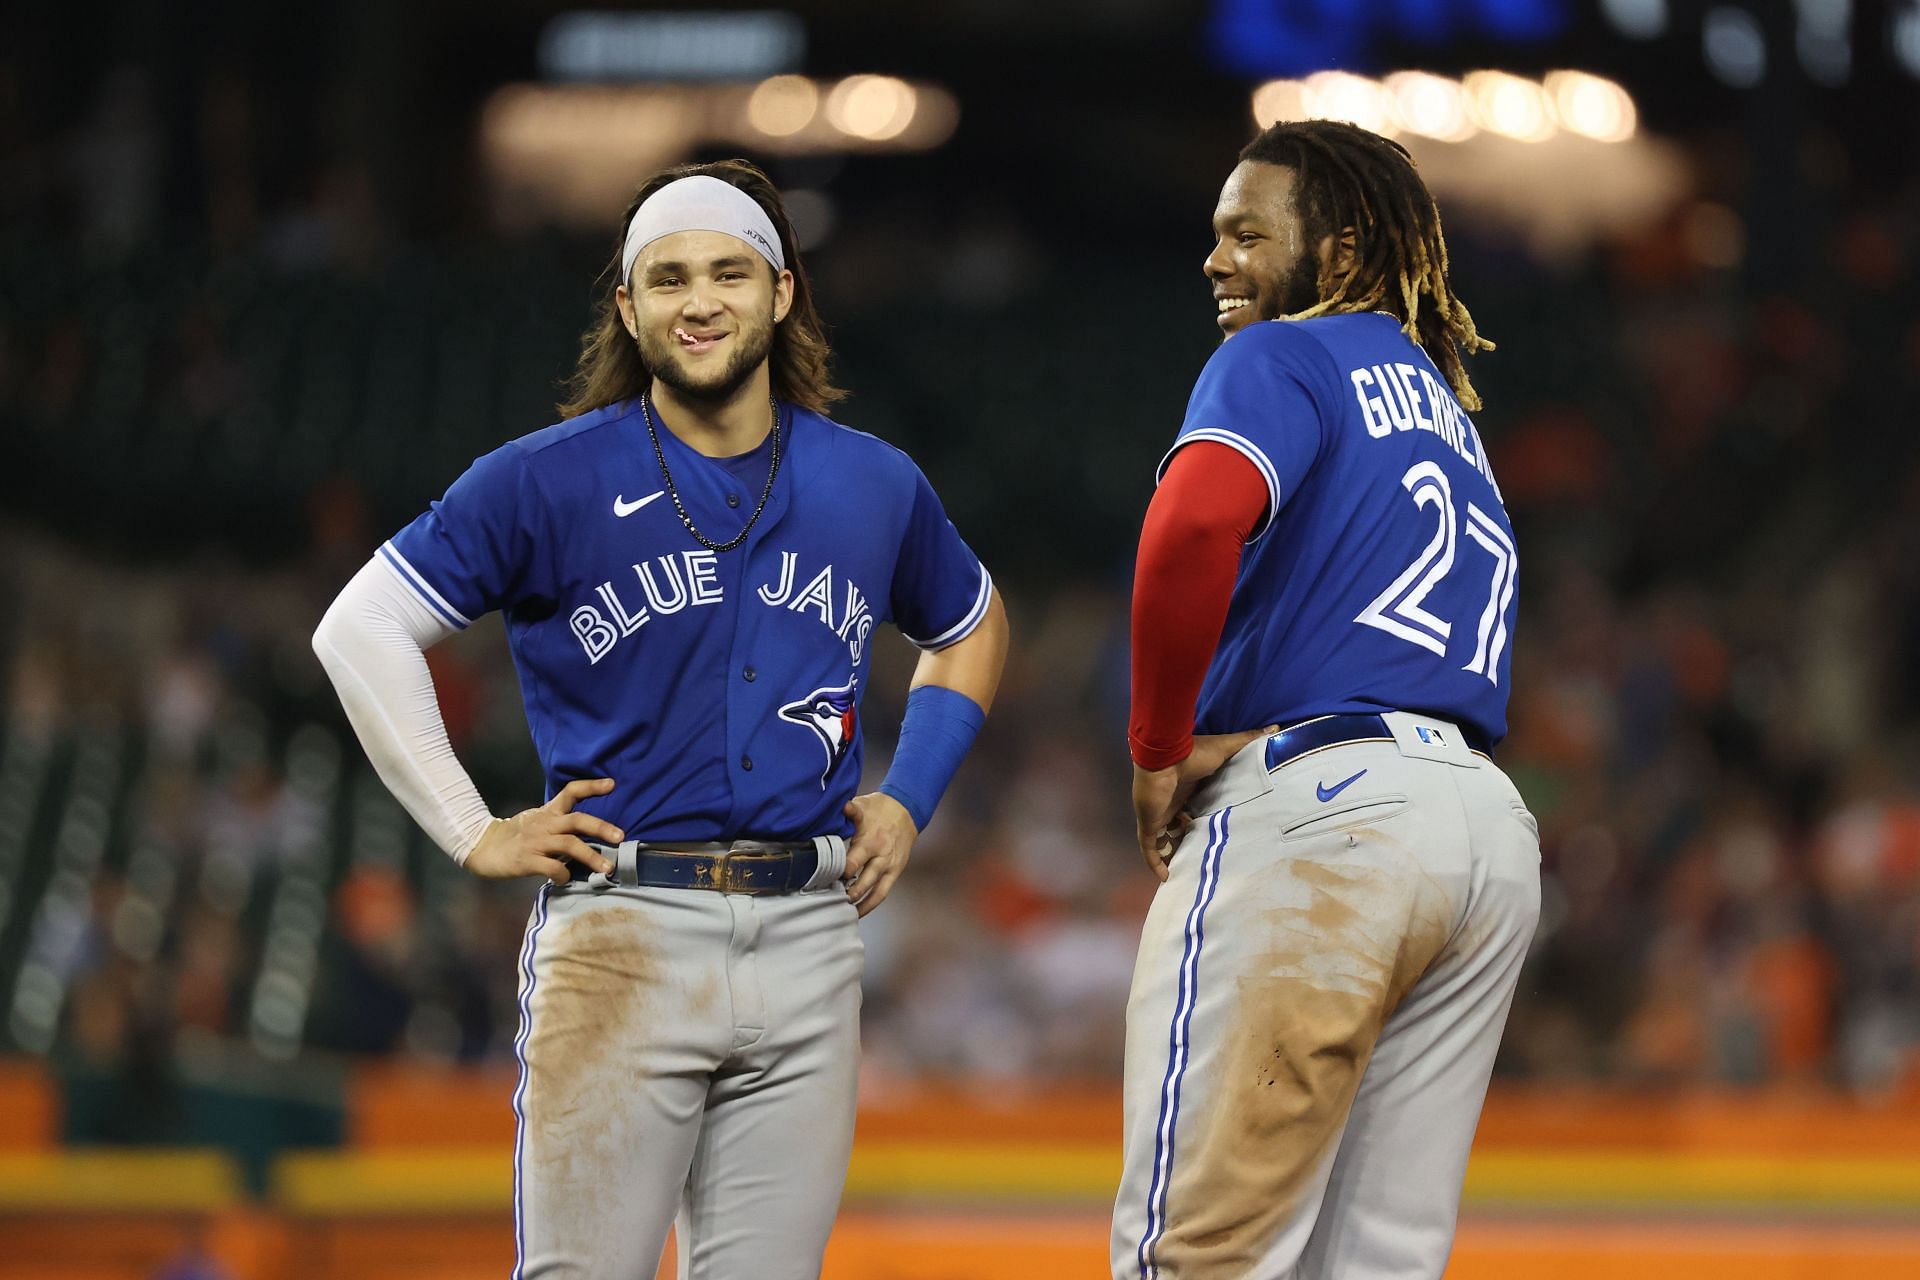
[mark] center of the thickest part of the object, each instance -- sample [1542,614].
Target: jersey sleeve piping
[421,587]
[962,629]
[1240,444]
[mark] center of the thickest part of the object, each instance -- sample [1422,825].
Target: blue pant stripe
[520,1090]
[1178,1039]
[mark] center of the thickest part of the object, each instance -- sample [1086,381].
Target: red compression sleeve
[1209,501]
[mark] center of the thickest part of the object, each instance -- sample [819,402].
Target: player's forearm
[946,705]
[1180,605]
[372,643]
[1183,580]
[971,666]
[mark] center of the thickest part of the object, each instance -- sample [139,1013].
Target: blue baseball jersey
[1383,576]
[719,690]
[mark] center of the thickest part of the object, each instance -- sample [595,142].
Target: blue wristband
[935,735]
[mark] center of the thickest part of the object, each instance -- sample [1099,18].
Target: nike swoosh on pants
[1327,793]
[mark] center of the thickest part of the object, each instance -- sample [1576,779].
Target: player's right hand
[537,842]
[1160,795]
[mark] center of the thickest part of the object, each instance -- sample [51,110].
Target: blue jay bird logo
[833,716]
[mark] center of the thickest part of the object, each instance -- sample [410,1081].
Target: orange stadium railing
[1583,1183]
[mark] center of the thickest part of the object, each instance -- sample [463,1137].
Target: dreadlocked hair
[1351,179]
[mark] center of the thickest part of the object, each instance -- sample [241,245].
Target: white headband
[701,203]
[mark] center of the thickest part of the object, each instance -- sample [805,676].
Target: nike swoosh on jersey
[1327,793]
[621,507]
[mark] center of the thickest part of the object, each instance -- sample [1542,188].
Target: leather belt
[724,866]
[1331,731]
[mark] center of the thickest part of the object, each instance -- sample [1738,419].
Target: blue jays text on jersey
[1385,574]
[720,691]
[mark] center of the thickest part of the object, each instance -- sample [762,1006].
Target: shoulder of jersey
[1271,333]
[1318,331]
[1339,341]
[1367,328]
[861,448]
[1298,341]
[1343,322]
[561,432]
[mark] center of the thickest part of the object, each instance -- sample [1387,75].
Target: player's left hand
[883,836]
[1160,795]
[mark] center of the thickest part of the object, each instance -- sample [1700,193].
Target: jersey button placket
[746,715]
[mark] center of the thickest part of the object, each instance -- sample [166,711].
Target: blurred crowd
[1713,716]
[1708,455]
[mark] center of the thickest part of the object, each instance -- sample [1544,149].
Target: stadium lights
[1588,105]
[544,125]
[575,151]
[1447,110]
[1640,19]
[783,106]
[1431,106]
[861,112]
[1734,46]
[1278,100]
[1338,95]
[873,108]
[1510,106]
[626,48]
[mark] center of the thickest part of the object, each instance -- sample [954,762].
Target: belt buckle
[715,872]
[750,868]
[731,876]
[727,876]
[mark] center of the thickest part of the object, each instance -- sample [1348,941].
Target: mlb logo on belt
[1430,740]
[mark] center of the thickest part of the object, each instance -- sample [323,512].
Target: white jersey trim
[421,587]
[962,629]
[1241,445]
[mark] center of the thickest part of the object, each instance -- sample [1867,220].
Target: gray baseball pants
[684,1050]
[1319,995]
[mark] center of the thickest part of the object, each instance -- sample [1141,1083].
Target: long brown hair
[1352,178]
[609,368]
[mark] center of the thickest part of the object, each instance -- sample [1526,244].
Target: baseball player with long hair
[1322,649]
[691,566]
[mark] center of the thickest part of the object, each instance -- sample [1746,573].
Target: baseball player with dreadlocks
[1348,892]
[691,566]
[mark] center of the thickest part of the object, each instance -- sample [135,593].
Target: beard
[1297,291]
[750,347]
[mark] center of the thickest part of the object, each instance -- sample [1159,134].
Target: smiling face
[703,306]
[1262,267]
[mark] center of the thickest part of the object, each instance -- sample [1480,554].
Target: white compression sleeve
[373,643]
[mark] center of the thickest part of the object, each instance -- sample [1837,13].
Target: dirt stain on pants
[1308,1010]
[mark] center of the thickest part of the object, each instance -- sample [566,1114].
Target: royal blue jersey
[719,690]
[1383,577]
